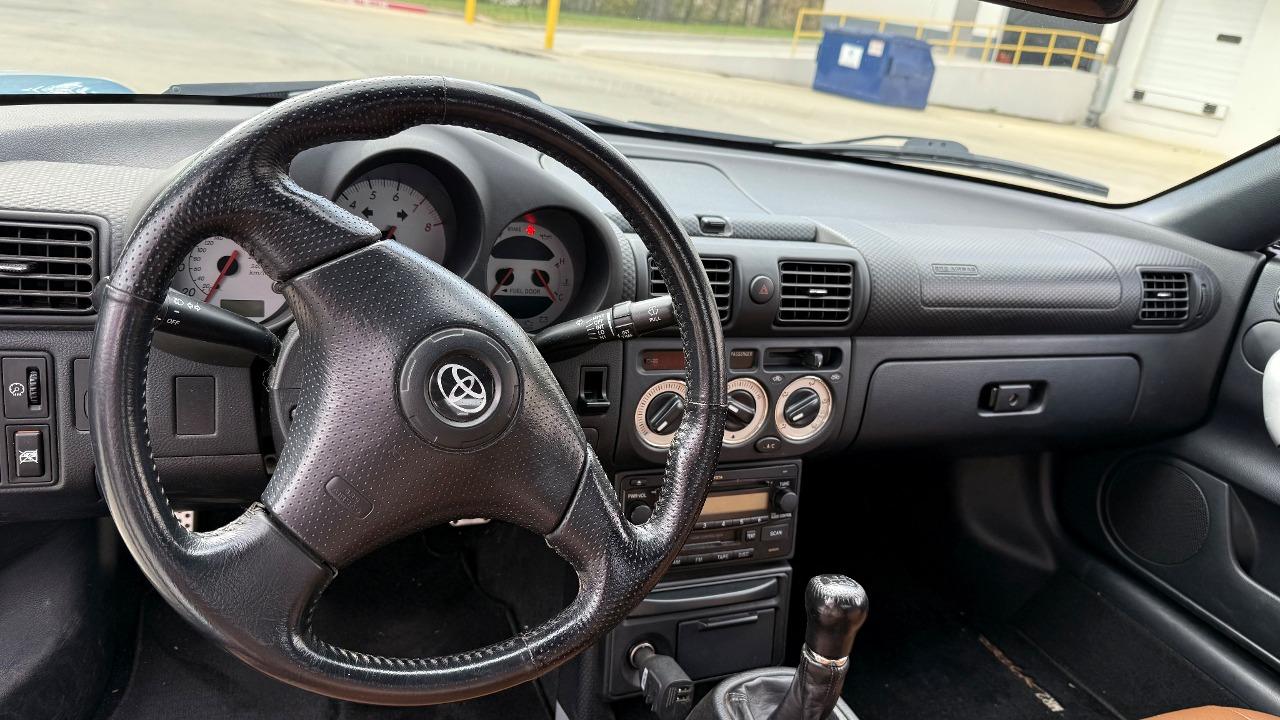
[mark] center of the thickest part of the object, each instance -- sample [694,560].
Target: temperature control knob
[804,408]
[664,413]
[747,412]
[659,412]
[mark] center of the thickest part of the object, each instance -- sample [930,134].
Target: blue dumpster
[875,67]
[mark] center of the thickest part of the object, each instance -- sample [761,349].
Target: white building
[1203,73]
[1199,73]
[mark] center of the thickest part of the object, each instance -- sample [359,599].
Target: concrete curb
[386,5]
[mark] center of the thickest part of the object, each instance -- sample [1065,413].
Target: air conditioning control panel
[786,397]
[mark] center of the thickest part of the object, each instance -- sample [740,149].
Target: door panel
[1198,516]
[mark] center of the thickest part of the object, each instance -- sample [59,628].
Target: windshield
[1121,111]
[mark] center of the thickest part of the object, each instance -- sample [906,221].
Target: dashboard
[864,308]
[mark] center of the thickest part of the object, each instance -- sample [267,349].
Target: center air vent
[47,268]
[719,272]
[815,293]
[1166,297]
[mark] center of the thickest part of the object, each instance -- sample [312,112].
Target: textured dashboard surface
[102,190]
[947,280]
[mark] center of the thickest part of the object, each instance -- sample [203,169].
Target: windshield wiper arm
[944,152]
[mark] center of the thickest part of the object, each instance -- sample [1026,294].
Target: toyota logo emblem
[461,389]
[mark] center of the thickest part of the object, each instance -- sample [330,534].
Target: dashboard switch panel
[28,454]
[29,460]
[26,390]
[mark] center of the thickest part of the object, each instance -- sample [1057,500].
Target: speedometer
[530,274]
[406,203]
[220,272]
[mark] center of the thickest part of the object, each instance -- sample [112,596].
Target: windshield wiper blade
[944,152]
[604,123]
[279,89]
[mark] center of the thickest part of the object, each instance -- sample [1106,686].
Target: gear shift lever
[835,607]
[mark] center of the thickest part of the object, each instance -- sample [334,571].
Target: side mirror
[1099,11]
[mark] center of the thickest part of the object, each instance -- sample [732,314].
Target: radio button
[768,444]
[750,535]
[776,533]
[786,501]
[722,556]
[640,514]
[744,554]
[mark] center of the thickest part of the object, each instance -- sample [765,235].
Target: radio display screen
[736,504]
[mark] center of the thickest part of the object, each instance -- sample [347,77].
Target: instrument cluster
[532,268]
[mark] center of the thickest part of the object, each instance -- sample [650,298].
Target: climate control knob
[659,412]
[748,410]
[804,408]
[741,411]
[801,409]
[664,413]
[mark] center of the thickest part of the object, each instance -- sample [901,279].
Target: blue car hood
[15,84]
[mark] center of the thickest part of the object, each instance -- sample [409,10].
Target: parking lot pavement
[148,46]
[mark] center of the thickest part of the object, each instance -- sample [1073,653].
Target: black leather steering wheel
[377,450]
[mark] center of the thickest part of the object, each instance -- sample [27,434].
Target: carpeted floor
[412,598]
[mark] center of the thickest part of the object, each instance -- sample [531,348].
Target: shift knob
[836,607]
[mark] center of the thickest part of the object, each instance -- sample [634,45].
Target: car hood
[24,84]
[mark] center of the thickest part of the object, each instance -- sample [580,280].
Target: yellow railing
[950,36]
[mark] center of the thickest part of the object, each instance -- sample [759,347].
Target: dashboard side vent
[815,293]
[47,268]
[1166,297]
[719,271]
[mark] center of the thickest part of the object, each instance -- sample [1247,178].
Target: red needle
[502,281]
[226,268]
[545,281]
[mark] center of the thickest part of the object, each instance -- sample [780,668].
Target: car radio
[749,514]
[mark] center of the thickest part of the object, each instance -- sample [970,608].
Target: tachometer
[406,203]
[530,274]
[220,272]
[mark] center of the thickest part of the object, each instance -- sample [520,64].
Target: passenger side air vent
[815,293]
[47,268]
[1166,298]
[719,272]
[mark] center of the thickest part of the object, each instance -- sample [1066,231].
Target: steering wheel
[422,402]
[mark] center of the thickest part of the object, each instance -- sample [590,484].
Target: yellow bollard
[470,14]
[553,17]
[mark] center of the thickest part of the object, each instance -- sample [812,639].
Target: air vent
[815,293]
[719,272]
[1166,298]
[47,268]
